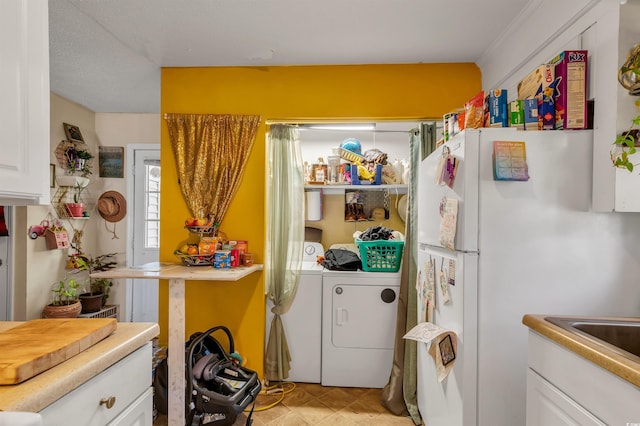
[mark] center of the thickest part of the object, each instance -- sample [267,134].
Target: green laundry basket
[380,255]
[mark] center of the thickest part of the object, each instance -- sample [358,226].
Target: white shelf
[340,189]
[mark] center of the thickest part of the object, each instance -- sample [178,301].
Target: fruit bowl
[195,259]
[202,230]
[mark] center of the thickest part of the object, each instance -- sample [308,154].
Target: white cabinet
[120,395]
[564,388]
[548,406]
[24,102]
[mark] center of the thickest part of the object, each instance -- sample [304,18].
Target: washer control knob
[339,290]
[388,295]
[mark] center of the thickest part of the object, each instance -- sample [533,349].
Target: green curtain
[285,239]
[399,395]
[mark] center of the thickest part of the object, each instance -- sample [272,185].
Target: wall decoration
[72,132]
[52,175]
[111,161]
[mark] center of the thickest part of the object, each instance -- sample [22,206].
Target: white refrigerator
[520,247]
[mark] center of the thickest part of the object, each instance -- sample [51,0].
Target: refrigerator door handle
[431,247]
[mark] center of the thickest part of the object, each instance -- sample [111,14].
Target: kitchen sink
[620,335]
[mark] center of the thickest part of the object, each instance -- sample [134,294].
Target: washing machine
[359,311]
[303,322]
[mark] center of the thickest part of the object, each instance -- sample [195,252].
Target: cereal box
[498,116]
[516,114]
[570,96]
[546,109]
[537,80]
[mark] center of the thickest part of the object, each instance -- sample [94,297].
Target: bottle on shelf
[334,167]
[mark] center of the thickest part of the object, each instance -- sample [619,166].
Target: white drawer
[125,381]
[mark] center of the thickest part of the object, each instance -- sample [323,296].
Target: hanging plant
[625,144]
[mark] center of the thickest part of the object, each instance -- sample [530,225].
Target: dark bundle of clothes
[341,260]
[377,233]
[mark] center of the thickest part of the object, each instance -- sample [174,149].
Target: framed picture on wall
[73,133]
[111,161]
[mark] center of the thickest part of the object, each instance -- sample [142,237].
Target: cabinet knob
[109,402]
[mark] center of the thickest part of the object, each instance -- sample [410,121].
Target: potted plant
[76,208]
[65,303]
[82,163]
[99,288]
[78,161]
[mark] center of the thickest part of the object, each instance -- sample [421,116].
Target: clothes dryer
[303,322]
[359,312]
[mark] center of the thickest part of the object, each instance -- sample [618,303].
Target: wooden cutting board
[37,345]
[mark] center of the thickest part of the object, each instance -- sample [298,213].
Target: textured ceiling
[106,54]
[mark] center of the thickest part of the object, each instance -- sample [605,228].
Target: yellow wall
[336,230]
[407,92]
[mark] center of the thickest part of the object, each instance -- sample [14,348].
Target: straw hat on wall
[112,206]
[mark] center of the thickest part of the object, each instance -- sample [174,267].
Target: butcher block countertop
[40,391]
[623,367]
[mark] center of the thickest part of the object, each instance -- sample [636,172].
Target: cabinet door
[548,406]
[24,102]
[139,413]
[123,383]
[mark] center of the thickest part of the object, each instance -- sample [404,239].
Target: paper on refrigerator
[448,218]
[425,288]
[443,345]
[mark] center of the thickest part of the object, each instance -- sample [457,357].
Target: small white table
[177,275]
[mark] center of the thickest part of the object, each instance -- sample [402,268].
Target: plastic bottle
[398,169]
[334,168]
[406,175]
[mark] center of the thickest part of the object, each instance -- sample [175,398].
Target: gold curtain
[211,152]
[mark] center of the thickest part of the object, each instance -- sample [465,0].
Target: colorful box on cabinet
[530,113]
[546,108]
[498,116]
[570,96]
[537,80]
[516,114]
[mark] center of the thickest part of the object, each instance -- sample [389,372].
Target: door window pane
[152,204]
